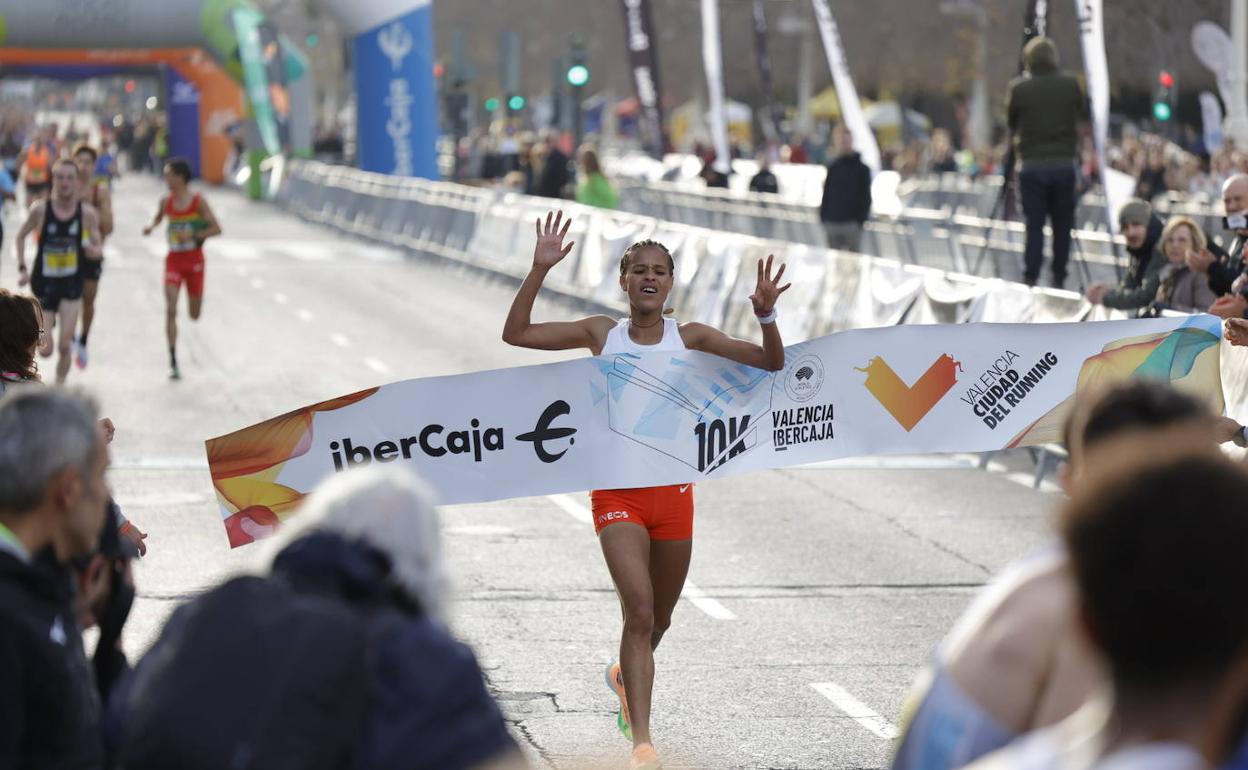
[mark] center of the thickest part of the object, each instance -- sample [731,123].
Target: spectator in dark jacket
[52,509]
[1224,270]
[1045,109]
[1152,181]
[764,181]
[365,545]
[1138,287]
[846,203]
[554,176]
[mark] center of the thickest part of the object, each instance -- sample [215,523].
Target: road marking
[696,596]
[280,298]
[305,315]
[859,711]
[376,365]
[256,283]
[573,509]
[158,464]
[340,340]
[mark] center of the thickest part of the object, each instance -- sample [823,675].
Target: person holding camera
[1224,272]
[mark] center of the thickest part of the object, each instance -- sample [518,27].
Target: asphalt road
[819,591]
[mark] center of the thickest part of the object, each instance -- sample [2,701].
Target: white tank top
[618,340]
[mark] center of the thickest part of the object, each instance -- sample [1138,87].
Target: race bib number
[182,236]
[60,262]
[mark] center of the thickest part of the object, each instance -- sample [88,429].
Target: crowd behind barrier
[946,239]
[832,290]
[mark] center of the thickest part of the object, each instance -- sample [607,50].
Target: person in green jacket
[1046,110]
[594,189]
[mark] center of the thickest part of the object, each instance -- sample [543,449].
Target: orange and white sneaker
[615,680]
[644,758]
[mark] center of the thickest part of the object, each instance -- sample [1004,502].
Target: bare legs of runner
[67,315]
[649,576]
[195,306]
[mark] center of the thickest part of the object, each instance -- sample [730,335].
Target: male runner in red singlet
[69,233]
[646,534]
[191,222]
[96,193]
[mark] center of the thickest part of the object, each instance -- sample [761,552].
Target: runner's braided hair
[646,244]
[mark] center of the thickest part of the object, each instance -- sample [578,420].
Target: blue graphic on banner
[397,112]
[182,101]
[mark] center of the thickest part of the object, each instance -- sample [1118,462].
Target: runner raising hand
[646,534]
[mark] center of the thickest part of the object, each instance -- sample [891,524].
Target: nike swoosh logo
[682,489]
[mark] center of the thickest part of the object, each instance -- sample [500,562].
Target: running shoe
[644,758]
[80,354]
[615,680]
[174,374]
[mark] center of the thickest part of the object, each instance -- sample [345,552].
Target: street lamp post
[980,119]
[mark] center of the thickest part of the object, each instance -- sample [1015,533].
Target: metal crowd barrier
[832,290]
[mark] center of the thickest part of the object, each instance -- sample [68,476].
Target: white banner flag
[713,62]
[846,94]
[1096,72]
[624,420]
[1211,120]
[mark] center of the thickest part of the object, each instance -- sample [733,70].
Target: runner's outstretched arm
[92,242]
[160,216]
[519,329]
[34,221]
[213,228]
[104,207]
[769,355]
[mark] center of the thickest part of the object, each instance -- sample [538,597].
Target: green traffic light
[1161,111]
[578,75]
[313,39]
[516,103]
[491,104]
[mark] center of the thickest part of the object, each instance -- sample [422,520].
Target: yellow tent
[825,104]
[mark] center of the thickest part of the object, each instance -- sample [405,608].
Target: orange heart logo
[908,404]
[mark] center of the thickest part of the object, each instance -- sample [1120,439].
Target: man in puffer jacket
[1139,283]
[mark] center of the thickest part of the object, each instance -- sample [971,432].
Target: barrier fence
[832,290]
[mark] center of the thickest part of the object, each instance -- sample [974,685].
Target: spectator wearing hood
[846,200]
[1138,287]
[1046,109]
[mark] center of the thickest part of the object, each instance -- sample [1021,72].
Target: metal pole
[981,120]
[1237,110]
[805,81]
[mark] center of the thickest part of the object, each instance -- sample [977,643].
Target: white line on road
[859,711]
[256,283]
[696,596]
[699,599]
[305,315]
[340,340]
[376,365]
[280,298]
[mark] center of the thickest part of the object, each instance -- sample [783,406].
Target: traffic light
[578,75]
[515,102]
[578,67]
[1163,100]
[491,104]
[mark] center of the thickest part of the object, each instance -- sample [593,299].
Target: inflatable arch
[225,61]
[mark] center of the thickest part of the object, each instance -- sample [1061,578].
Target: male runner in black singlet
[69,233]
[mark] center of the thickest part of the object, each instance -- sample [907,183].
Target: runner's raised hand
[767,291]
[550,249]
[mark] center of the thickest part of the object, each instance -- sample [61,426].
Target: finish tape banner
[625,420]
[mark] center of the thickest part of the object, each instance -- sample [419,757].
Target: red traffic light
[129,86]
[1166,79]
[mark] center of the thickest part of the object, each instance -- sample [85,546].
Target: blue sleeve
[6,181]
